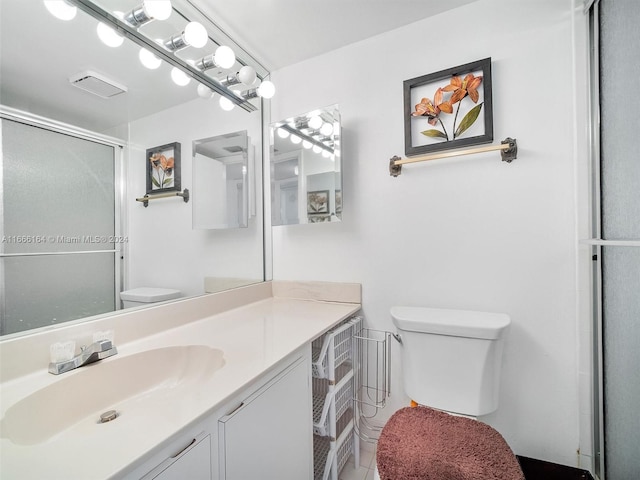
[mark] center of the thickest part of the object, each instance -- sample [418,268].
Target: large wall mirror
[306,171]
[74,163]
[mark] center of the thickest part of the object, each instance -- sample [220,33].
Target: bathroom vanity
[215,387]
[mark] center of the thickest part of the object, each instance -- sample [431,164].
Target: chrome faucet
[88,354]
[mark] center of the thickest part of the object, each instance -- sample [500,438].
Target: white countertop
[254,338]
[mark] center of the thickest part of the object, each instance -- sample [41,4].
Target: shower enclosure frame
[120,249]
[597,243]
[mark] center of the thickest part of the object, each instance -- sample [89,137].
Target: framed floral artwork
[163,168]
[318,202]
[448,109]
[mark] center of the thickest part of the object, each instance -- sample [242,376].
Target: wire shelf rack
[372,377]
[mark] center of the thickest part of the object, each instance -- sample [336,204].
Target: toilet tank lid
[458,323]
[149,294]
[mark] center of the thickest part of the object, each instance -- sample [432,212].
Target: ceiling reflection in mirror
[306,171]
[73,235]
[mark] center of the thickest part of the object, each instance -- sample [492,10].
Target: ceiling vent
[97,84]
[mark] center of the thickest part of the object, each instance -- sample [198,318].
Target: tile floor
[364,470]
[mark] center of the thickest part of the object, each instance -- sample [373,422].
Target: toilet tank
[146,295]
[451,359]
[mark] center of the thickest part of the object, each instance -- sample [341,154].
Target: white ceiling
[39,53]
[283,32]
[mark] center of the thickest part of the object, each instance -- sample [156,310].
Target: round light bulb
[247,75]
[266,89]
[307,144]
[224,57]
[326,154]
[326,129]
[179,77]
[148,59]
[226,104]
[195,35]
[205,92]
[109,36]
[61,9]
[295,139]
[317,149]
[282,133]
[157,9]
[315,122]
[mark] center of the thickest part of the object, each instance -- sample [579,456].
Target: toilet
[451,362]
[137,297]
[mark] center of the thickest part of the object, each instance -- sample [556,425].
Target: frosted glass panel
[50,289]
[58,197]
[621,325]
[620,104]
[58,191]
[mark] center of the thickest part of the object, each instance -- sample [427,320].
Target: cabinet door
[192,463]
[269,436]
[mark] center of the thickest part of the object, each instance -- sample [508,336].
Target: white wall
[165,250]
[468,233]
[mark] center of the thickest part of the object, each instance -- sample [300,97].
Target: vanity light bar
[126,30]
[306,137]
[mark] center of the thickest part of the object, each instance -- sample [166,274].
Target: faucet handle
[103,335]
[62,351]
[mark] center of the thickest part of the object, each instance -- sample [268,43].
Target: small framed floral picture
[318,202]
[448,109]
[163,168]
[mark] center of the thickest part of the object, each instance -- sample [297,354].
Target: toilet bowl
[137,297]
[451,362]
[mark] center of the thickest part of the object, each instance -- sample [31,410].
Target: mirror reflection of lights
[326,129]
[194,35]
[61,9]
[108,35]
[149,59]
[205,92]
[226,104]
[315,122]
[179,77]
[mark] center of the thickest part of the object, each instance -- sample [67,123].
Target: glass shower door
[58,227]
[617,42]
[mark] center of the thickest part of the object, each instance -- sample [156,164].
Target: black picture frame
[481,129]
[163,174]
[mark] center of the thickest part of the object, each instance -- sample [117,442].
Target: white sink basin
[106,385]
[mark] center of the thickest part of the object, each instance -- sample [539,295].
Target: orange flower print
[431,109]
[161,175]
[443,102]
[461,88]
